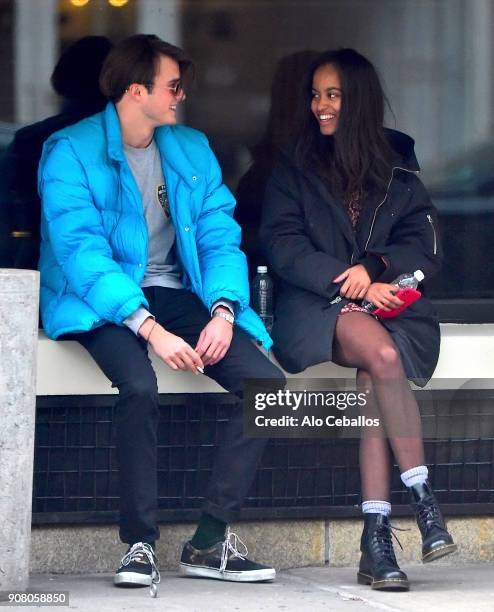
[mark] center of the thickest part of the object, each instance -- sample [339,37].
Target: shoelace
[136,553]
[382,537]
[230,546]
[429,514]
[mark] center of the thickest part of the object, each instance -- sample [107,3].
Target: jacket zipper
[384,199]
[433,232]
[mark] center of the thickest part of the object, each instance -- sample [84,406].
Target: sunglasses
[176,89]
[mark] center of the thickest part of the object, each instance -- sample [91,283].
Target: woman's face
[326,98]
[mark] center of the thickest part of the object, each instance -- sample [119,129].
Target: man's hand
[172,349]
[382,296]
[356,282]
[215,339]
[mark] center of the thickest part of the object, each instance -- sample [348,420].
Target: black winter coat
[20,205]
[309,240]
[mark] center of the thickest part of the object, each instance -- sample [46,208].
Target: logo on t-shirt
[162,197]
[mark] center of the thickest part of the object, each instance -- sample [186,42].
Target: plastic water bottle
[261,296]
[407,280]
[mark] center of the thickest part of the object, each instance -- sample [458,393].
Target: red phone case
[407,295]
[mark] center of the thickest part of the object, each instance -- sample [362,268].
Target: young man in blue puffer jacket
[139,248]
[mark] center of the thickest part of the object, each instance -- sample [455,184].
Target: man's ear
[135,90]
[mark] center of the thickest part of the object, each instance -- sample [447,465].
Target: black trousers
[124,359]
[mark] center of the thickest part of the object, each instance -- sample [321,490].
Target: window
[436,59]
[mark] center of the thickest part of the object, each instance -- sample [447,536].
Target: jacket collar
[169,145]
[404,149]
[113,133]
[174,155]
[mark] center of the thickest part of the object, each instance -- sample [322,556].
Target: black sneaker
[223,561]
[138,567]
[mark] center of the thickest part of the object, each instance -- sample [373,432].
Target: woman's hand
[356,282]
[382,296]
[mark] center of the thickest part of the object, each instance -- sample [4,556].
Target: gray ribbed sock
[417,475]
[376,507]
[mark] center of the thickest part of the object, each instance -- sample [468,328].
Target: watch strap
[224,315]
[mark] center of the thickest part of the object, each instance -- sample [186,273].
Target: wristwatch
[224,315]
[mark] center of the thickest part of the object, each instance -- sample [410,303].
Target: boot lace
[429,515]
[383,542]
[141,551]
[230,548]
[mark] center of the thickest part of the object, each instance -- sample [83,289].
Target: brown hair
[135,60]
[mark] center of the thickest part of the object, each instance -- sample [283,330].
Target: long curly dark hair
[357,157]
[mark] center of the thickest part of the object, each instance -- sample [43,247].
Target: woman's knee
[386,362]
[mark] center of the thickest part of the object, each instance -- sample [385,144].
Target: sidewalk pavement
[468,588]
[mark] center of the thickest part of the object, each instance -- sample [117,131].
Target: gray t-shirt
[163,267]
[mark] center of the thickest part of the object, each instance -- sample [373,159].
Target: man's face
[160,105]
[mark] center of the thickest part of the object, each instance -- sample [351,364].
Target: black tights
[362,342]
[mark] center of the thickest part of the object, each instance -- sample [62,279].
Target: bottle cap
[262,269]
[419,275]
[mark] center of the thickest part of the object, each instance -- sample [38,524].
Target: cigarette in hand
[199,369]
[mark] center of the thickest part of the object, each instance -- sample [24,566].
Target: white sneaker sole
[209,572]
[131,579]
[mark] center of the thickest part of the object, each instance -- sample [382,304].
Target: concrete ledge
[283,544]
[65,368]
[89,549]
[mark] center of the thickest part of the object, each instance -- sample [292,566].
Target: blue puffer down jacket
[94,234]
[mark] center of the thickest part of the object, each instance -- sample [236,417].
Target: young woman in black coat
[344,215]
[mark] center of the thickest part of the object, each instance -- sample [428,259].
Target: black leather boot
[378,566]
[436,541]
